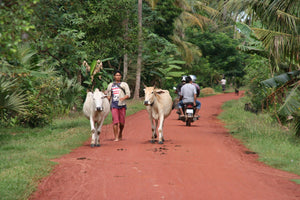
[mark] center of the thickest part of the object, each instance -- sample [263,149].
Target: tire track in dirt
[198,162]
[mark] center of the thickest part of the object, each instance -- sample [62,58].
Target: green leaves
[291,103]
[11,97]
[169,69]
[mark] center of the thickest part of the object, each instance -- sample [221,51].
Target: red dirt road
[201,162]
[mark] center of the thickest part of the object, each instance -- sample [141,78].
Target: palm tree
[189,17]
[139,59]
[279,31]
[279,36]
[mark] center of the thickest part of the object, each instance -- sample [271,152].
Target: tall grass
[275,145]
[25,154]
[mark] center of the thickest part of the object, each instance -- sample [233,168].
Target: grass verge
[26,154]
[276,146]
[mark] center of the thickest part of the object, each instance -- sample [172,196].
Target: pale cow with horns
[96,108]
[159,106]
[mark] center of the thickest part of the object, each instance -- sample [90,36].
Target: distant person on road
[223,84]
[117,93]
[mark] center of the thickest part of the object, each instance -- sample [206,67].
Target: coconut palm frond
[289,20]
[203,7]
[192,20]
[291,103]
[250,48]
[279,44]
[232,8]
[188,50]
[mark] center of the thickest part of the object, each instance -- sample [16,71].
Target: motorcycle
[189,111]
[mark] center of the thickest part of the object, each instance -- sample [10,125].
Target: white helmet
[183,78]
[193,77]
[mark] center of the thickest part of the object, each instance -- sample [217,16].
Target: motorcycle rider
[189,94]
[178,92]
[178,87]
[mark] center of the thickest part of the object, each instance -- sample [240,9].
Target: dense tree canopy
[51,48]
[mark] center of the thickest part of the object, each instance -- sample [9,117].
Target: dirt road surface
[201,162]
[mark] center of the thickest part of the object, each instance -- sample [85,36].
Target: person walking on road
[117,93]
[223,84]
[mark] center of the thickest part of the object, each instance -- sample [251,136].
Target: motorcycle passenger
[194,78]
[189,94]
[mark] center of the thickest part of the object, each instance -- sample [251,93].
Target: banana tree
[285,96]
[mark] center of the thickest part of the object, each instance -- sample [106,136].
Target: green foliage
[11,97]
[220,56]
[15,25]
[256,71]
[37,114]
[221,52]
[161,65]
[250,42]
[166,13]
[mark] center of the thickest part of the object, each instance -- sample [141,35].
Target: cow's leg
[152,127]
[93,138]
[155,128]
[98,132]
[93,131]
[160,130]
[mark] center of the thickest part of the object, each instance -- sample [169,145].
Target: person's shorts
[223,87]
[118,115]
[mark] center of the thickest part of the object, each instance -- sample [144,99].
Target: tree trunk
[125,64]
[139,59]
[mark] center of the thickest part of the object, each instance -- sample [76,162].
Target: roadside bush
[37,114]
[49,97]
[257,71]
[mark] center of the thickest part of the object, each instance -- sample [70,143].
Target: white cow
[159,106]
[96,108]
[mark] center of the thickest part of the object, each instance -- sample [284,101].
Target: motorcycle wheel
[188,122]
